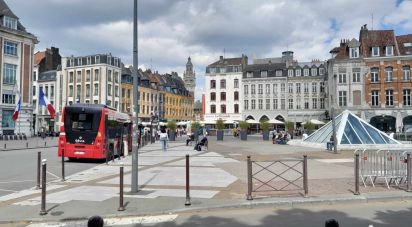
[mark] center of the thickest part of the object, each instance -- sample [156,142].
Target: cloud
[170,31]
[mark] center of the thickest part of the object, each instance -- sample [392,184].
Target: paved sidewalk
[218,180]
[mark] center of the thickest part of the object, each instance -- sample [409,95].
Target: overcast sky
[172,30]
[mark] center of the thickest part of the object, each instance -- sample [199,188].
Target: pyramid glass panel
[350,129]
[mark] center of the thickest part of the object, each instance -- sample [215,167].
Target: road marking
[17,181]
[6,190]
[115,221]
[54,175]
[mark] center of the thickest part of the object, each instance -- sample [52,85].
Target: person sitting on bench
[202,142]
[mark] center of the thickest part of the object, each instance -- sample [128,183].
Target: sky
[169,31]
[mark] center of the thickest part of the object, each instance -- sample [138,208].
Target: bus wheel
[72,159]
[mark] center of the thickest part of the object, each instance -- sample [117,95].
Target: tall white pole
[135,167]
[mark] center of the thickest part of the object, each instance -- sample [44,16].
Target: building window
[116,77]
[374,75]
[222,84]
[260,89]
[246,89]
[275,88]
[389,50]
[314,87]
[342,98]
[128,94]
[290,104]
[268,89]
[305,72]
[34,76]
[268,104]
[236,108]
[249,74]
[314,103]
[322,87]
[9,22]
[406,73]
[9,99]
[213,84]
[278,72]
[79,61]
[283,104]
[222,96]
[253,104]
[236,83]
[388,74]
[109,90]
[290,73]
[222,108]
[389,97]
[109,77]
[87,90]
[212,96]
[87,75]
[354,52]
[212,109]
[123,92]
[79,77]
[275,104]
[34,90]
[407,97]
[9,74]
[116,91]
[314,72]
[246,104]
[290,87]
[96,89]
[298,103]
[71,76]
[375,51]
[6,119]
[321,71]
[298,72]
[297,87]
[322,103]
[264,74]
[71,91]
[356,77]
[10,48]
[342,78]
[260,102]
[96,75]
[78,91]
[236,94]
[306,87]
[375,98]
[282,87]
[306,103]
[252,89]
[51,91]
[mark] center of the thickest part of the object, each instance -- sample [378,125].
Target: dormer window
[264,74]
[375,51]
[249,74]
[354,52]
[298,72]
[314,71]
[97,59]
[290,73]
[305,72]
[79,61]
[9,22]
[278,72]
[71,62]
[89,60]
[389,50]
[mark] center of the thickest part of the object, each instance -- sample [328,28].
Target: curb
[257,203]
[29,148]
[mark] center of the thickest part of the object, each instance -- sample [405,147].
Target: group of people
[281,137]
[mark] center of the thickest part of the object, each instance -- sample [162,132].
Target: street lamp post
[135,168]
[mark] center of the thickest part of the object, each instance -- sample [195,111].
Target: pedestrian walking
[331,223]
[163,139]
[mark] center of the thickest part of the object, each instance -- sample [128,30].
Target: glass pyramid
[350,129]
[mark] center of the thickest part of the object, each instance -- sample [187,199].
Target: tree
[265,125]
[220,125]
[289,125]
[243,125]
[171,125]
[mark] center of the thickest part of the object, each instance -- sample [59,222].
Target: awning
[277,122]
[315,122]
[182,123]
[230,122]
[251,121]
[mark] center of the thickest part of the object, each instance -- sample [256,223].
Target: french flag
[16,111]
[43,101]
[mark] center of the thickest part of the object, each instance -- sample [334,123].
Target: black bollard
[356,175]
[249,179]
[187,203]
[43,188]
[63,175]
[305,175]
[121,204]
[38,169]
[408,173]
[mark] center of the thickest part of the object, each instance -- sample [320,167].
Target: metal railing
[277,175]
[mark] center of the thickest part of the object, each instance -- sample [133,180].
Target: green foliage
[195,126]
[243,125]
[171,125]
[264,125]
[309,126]
[220,125]
[289,125]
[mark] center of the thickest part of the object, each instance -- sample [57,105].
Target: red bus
[94,131]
